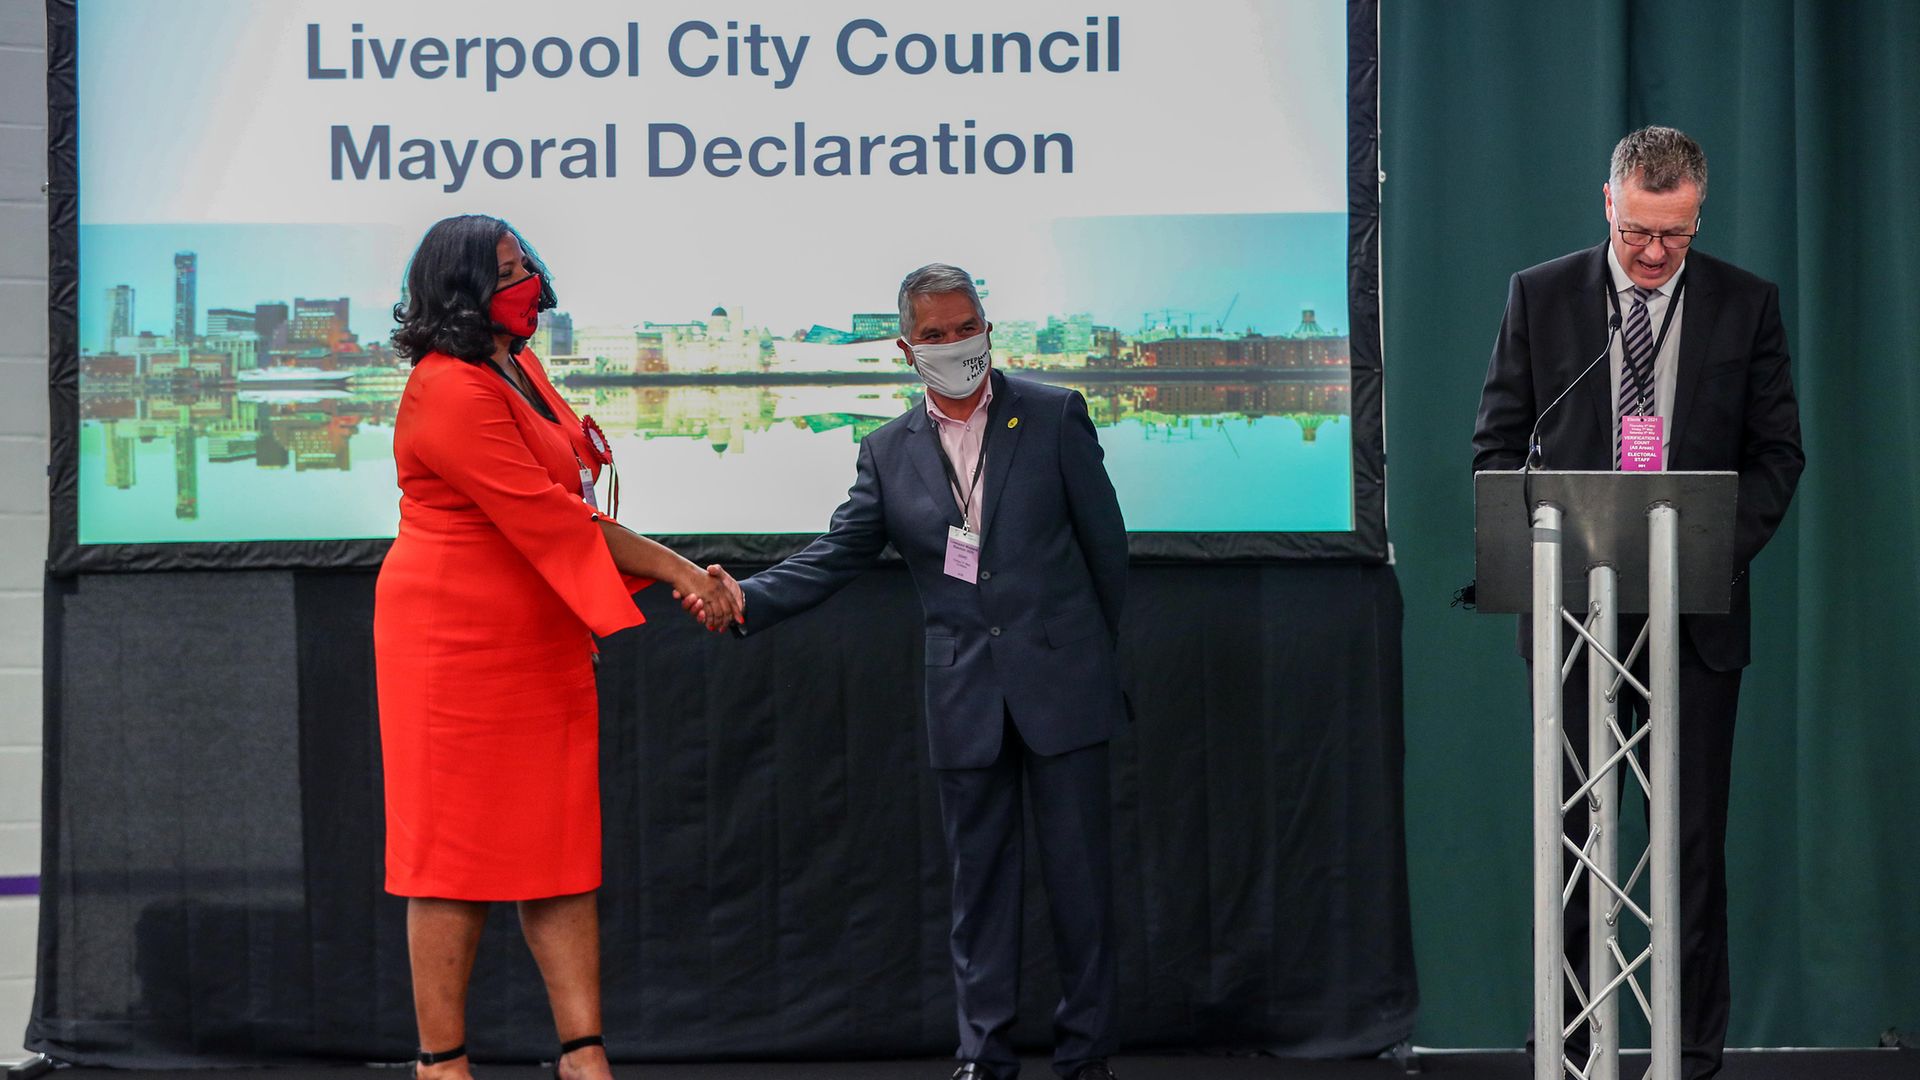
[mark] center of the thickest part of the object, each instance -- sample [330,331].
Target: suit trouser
[1708,701]
[980,810]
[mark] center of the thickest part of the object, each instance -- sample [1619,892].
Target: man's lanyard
[953,477]
[1666,324]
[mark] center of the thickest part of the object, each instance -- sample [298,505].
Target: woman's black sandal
[435,1058]
[580,1043]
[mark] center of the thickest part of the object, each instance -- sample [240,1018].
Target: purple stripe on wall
[20,886]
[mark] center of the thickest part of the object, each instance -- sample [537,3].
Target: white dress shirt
[1666,362]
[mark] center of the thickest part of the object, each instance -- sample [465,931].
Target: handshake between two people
[710,595]
[713,597]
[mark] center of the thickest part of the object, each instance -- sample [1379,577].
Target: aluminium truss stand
[1575,550]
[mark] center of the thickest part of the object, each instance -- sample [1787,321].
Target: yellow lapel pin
[1013,421]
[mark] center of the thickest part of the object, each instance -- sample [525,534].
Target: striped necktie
[1636,376]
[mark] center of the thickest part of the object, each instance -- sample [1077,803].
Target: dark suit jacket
[1035,637]
[1733,405]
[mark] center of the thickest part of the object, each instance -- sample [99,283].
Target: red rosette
[597,439]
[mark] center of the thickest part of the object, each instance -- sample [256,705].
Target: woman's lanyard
[590,495]
[587,492]
[533,398]
[539,404]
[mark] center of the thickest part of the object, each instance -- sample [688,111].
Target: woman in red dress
[485,615]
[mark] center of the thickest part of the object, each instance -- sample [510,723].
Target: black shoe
[1096,1071]
[973,1070]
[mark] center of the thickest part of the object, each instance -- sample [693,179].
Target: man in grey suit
[995,494]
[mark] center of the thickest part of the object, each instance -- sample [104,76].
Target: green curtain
[1497,119]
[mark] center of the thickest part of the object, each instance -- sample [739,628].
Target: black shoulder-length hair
[450,279]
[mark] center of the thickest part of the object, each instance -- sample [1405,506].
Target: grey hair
[934,279]
[1663,158]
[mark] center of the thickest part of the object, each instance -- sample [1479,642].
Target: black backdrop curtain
[775,879]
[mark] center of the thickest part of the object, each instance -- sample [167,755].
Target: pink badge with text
[1641,448]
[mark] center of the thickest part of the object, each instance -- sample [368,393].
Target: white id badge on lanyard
[963,554]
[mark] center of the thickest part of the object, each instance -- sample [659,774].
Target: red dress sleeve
[633,584]
[576,434]
[466,434]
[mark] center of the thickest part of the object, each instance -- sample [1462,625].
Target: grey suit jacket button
[995,631]
[986,575]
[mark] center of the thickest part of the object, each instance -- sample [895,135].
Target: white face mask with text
[954,369]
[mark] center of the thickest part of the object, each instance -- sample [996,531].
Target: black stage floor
[1740,1065]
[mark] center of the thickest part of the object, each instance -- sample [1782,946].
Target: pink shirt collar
[979,417]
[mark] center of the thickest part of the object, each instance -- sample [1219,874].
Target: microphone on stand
[1533,439]
[1464,597]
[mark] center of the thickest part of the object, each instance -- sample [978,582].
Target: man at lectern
[1644,353]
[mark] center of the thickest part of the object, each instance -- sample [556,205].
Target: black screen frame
[1366,542]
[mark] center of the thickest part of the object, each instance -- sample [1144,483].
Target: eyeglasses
[1671,241]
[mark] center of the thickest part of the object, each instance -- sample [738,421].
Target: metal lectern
[1602,544]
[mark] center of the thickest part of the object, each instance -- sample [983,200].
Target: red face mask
[517,307]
